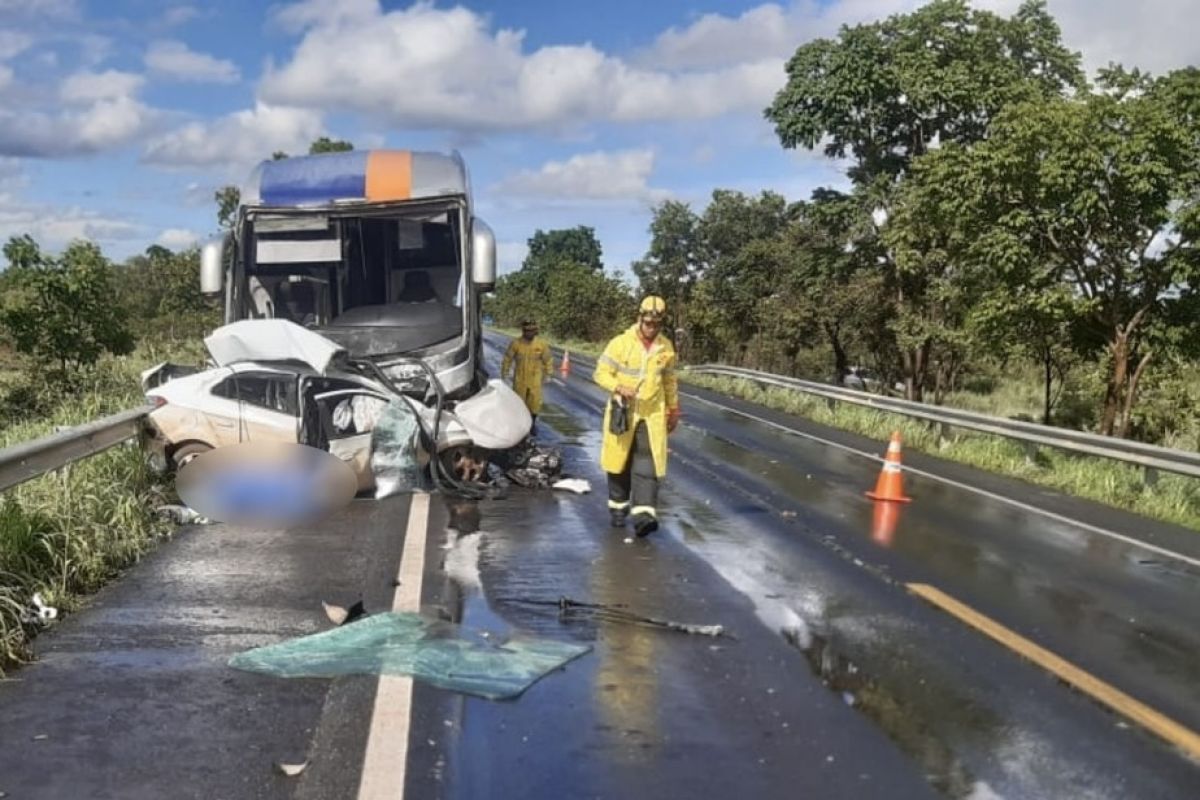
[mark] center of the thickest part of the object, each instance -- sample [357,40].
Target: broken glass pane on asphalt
[440,653]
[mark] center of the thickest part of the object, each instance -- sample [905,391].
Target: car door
[346,417]
[256,406]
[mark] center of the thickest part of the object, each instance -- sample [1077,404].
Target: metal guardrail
[28,460]
[1151,457]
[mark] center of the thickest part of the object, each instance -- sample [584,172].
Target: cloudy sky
[119,118]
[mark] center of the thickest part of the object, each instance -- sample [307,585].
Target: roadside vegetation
[1009,235]
[76,331]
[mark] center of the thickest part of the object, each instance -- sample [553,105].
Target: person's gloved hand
[628,392]
[672,419]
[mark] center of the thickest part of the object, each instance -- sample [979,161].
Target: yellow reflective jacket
[533,366]
[628,362]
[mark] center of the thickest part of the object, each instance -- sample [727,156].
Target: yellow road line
[385,764]
[1183,738]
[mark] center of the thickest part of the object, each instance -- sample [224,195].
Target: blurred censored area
[268,484]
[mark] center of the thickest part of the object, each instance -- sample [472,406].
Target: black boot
[644,525]
[617,517]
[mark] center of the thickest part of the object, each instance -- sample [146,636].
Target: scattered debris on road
[182,515]
[291,770]
[38,612]
[575,609]
[437,652]
[344,616]
[576,485]
[531,466]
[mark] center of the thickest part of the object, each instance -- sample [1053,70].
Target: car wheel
[184,455]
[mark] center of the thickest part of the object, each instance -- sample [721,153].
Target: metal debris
[182,515]
[344,616]
[38,612]
[576,485]
[569,608]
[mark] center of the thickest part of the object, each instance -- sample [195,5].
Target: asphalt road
[840,681]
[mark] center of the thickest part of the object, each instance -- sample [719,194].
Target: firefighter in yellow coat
[531,356]
[638,371]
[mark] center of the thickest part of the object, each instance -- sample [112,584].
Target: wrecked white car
[272,380]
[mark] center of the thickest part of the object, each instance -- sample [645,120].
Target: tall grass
[1174,499]
[66,534]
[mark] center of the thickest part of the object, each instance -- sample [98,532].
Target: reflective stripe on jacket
[628,362]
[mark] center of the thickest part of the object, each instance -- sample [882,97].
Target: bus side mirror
[483,255]
[212,266]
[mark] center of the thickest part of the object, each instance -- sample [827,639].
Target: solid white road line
[386,762]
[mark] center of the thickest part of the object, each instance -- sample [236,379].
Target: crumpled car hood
[271,340]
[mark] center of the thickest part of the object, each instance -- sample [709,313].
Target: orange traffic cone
[883,523]
[890,485]
[564,368]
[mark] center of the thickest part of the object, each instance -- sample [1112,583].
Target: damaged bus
[378,252]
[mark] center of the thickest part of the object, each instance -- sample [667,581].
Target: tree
[741,243]
[71,316]
[327,145]
[578,245]
[228,198]
[672,264]
[1097,193]
[831,276]
[887,93]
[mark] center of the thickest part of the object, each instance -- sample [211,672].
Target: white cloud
[621,175]
[770,30]
[177,238]
[105,125]
[12,175]
[1102,30]
[58,9]
[510,255]
[424,67]
[54,227]
[6,77]
[1138,35]
[13,43]
[176,60]
[180,15]
[239,139]
[91,87]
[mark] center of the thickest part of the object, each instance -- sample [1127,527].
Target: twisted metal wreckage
[387,432]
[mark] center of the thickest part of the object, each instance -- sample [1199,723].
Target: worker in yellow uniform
[638,371]
[531,356]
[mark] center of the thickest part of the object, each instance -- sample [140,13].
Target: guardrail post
[1031,453]
[1149,477]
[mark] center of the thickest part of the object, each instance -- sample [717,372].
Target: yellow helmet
[653,306]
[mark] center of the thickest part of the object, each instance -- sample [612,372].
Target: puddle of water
[878,665]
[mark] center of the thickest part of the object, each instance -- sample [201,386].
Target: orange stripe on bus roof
[389,175]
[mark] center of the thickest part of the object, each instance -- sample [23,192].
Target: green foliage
[161,289]
[550,248]
[327,145]
[227,198]
[68,315]
[67,533]
[569,298]
[882,92]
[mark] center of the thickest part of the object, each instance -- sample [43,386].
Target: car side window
[274,393]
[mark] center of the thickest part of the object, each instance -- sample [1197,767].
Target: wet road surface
[839,682]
